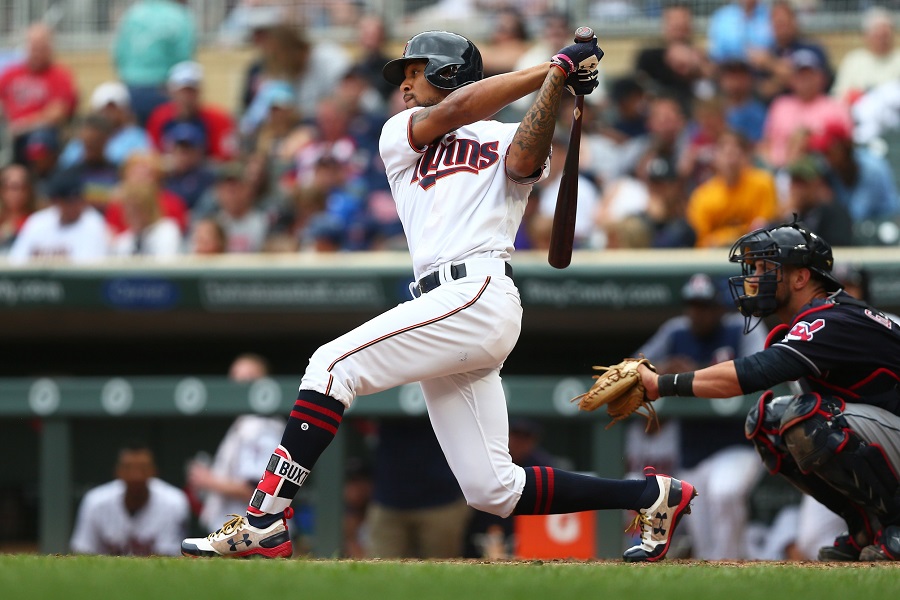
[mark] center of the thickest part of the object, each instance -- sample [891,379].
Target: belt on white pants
[475,267]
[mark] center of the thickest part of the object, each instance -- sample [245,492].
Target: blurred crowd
[711,134]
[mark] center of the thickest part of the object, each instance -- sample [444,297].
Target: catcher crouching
[839,440]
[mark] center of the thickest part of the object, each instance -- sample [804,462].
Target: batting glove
[579,56]
[582,82]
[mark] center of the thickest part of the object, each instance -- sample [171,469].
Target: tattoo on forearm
[535,132]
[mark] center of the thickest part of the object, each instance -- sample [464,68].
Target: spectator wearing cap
[662,224]
[773,66]
[744,112]
[273,107]
[280,121]
[877,62]
[862,182]
[148,232]
[112,101]
[345,224]
[707,333]
[37,93]
[246,226]
[812,200]
[98,175]
[250,21]
[737,199]
[189,174]
[151,38]
[629,103]
[806,108]
[739,28]
[186,105]
[42,157]
[312,69]
[68,229]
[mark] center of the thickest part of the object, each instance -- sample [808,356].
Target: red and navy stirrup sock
[552,491]
[312,425]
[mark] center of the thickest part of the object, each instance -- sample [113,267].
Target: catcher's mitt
[621,391]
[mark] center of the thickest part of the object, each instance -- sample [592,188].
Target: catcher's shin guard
[818,437]
[763,427]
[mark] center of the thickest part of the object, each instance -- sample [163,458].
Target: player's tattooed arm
[531,144]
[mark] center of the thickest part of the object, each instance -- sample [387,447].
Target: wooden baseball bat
[562,236]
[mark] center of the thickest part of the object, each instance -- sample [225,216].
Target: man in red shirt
[37,93]
[185,91]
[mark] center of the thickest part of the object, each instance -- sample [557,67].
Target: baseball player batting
[460,183]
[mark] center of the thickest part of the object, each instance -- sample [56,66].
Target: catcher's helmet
[453,61]
[788,244]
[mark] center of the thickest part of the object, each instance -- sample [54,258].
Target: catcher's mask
[453,61]
[788,244]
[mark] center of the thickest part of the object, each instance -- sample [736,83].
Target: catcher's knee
[763,426]
[812,432]
[819,438]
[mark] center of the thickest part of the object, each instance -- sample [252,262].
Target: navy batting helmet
[788,244]
[453,61]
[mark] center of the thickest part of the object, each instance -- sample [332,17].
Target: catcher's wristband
[679,384]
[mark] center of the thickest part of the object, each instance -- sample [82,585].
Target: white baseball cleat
[657,522]
[238,539]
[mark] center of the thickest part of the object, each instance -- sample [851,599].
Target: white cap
[186,74]
[111,92]
[263,17]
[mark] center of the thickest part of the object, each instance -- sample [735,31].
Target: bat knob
[584,34]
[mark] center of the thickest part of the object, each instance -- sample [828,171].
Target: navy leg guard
[817,436]
[763,428]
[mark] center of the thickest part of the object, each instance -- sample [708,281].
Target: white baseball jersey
[454,198]
[104,526]
[43,235]
[457,206]
[162,239]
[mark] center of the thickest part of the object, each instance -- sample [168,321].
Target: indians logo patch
[804,331]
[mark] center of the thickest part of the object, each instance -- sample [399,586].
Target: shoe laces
[640,523]
[230,526]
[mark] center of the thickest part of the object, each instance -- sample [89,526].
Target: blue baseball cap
[65,186]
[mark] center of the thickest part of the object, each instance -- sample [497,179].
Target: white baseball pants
[453,340]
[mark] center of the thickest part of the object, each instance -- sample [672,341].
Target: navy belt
[433,279]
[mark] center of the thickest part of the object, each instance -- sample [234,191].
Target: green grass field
[76,577]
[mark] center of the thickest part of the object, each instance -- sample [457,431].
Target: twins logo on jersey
[454,155]
[804,331]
